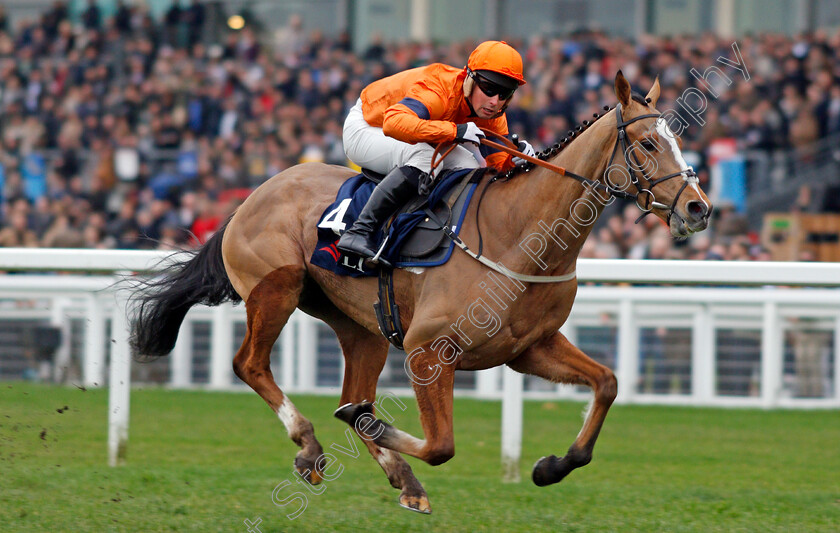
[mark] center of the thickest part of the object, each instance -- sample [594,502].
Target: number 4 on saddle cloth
[413,239]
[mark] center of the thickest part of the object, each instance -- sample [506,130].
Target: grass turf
[203,461]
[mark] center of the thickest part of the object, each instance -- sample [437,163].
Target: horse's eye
[647,145]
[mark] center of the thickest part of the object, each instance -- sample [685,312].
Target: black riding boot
[395,189]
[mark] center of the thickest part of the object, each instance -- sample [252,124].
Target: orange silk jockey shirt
[424,104]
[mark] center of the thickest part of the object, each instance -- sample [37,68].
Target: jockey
[397,121]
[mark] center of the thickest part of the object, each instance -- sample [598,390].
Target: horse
[462,315]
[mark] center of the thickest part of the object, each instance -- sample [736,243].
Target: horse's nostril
[696,209]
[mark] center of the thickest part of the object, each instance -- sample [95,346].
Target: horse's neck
[561,209]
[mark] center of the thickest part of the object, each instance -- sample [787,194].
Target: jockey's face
[485,106]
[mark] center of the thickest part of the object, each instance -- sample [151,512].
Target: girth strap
[387,310]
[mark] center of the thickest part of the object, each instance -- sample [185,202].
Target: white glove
[526,148]
[468,132]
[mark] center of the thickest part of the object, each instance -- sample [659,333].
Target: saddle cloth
[413,239]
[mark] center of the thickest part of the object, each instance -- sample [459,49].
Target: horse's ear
[653,94]
[622,89]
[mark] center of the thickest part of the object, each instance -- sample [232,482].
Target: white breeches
[368,147]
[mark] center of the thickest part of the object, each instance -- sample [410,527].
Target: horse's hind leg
[558,360]
[364,357]
[268,307]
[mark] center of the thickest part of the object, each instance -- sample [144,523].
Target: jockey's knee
[460,157]
[418,156]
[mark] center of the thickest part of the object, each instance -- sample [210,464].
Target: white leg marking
[587,410]
[386,458]
[288,414]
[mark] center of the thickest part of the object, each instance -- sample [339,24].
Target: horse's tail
[163,302]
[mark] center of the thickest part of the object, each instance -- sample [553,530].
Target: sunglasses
[492,89]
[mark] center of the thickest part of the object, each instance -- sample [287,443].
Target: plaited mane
[558,147]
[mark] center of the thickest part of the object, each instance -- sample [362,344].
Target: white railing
[703,310]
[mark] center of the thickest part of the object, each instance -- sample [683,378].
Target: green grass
[201,461]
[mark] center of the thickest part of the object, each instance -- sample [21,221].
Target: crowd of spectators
[131,132]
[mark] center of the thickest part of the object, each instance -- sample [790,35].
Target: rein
[510,148]
[647,206]
[644,197]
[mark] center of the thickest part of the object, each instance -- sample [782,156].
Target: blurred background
[143,124]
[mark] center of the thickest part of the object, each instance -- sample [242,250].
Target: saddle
[426,244]
[414,237]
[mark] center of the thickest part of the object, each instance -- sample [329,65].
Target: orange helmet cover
[497,56]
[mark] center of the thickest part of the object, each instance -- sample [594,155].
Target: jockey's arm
[412,120]
[417,117]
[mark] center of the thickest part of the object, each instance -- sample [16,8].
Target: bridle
[644,197]
[688,174]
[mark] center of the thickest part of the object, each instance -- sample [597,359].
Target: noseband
[644,197]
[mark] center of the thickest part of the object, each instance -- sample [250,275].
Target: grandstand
[136,125]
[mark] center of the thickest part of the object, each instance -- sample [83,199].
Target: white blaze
[670,140]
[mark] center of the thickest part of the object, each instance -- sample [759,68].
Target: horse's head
[653,168]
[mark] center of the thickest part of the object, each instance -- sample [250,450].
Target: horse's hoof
[345,412]
[306,468]
[416,503]
[349,412]
[545,471]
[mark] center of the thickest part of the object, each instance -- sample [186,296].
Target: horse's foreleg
[268,308]
[558,360]
[364,356]
[434,399]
